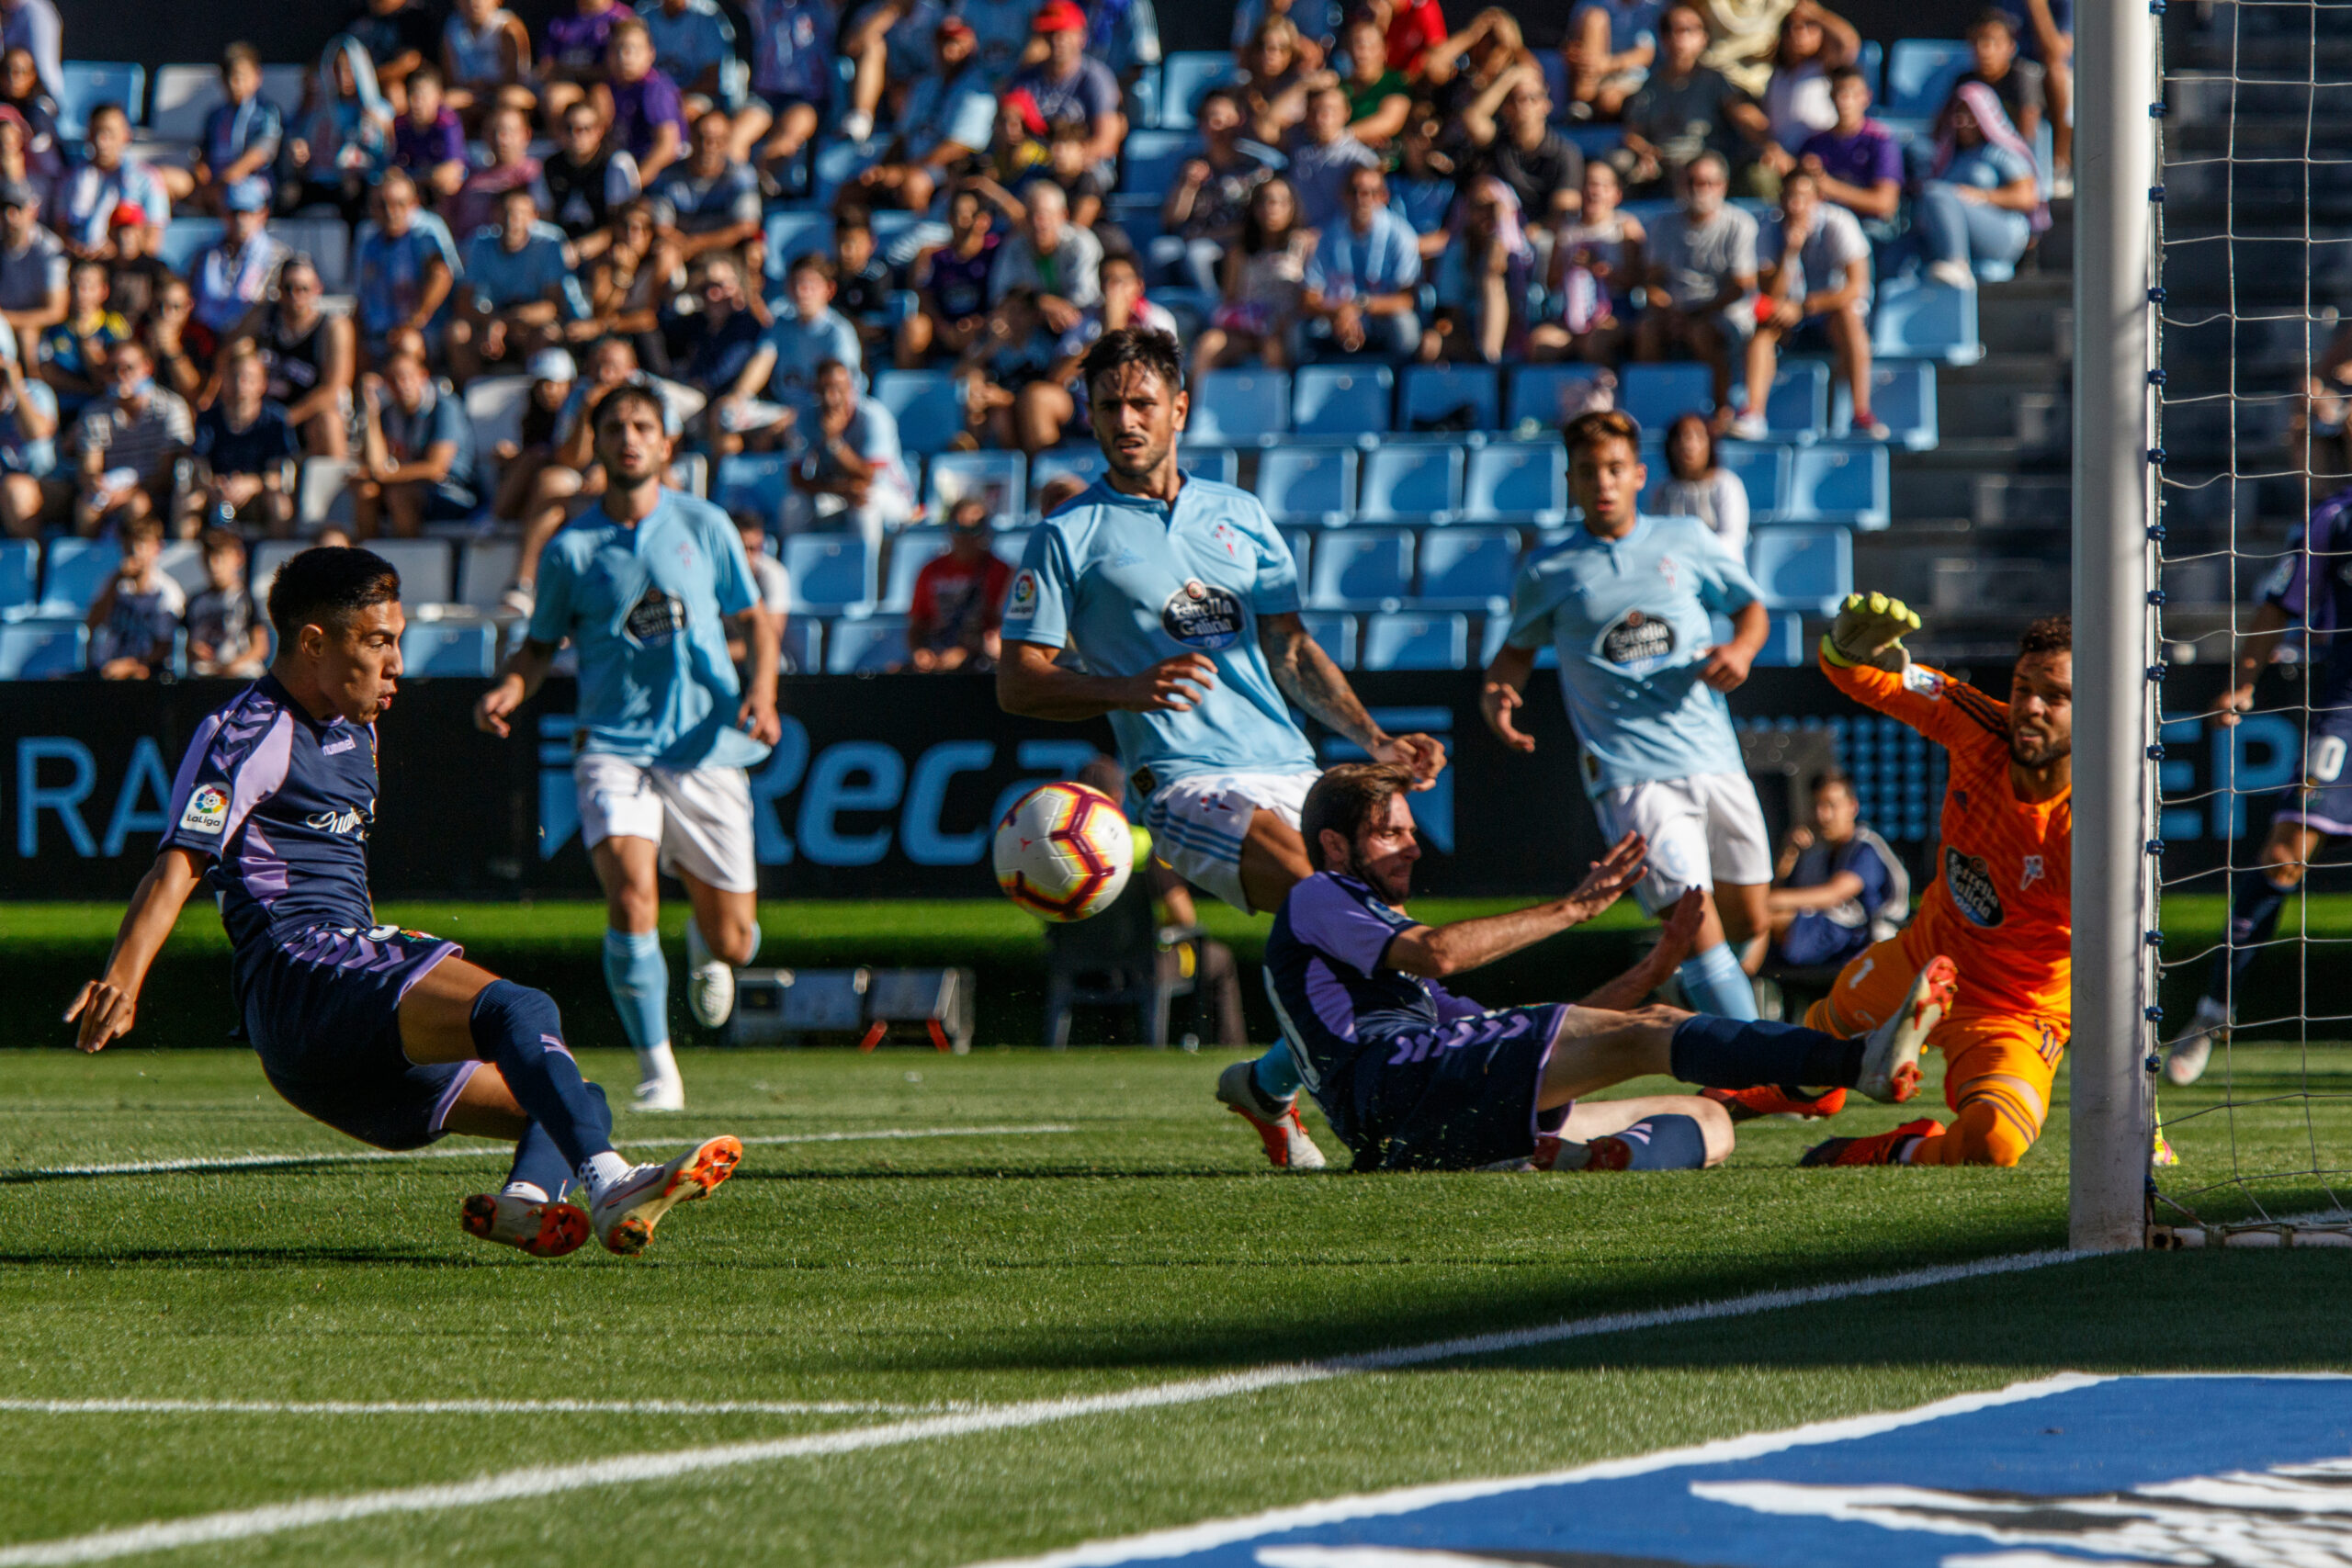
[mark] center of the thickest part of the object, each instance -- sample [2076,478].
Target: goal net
[2250,1032]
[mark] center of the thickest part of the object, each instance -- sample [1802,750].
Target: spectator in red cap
[136,275]
[1071,84]
[946,126]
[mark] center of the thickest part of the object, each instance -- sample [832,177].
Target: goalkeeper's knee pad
[1993,1127]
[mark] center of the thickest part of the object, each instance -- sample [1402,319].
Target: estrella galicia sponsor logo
[1971,881]
[1202,616]
[206,810]
[1637,641]
[656,619]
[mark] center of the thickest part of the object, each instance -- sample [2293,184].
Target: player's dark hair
[2052,634]
[629,392]
[1155,351]
[1601,424]
[1344,798]
[326,586]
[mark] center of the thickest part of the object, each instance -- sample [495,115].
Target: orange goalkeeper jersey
[1999,902]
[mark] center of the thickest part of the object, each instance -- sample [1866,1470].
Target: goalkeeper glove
[1869,630]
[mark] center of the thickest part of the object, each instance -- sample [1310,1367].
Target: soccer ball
[1064,851]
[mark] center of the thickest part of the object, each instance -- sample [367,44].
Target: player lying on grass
[1999,904]
[387,1035]
[1412,1076]
[1180,602]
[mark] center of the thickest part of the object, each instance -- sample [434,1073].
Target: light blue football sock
[1276,1074]
[1714,983]
[639,978]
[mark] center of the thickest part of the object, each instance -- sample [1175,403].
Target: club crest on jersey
[1970,882]
[1023,601]
[1224,534]
[1665,568]
[207,811]
[1920,681]
[1201,615]
[2032,873]
[1636,641]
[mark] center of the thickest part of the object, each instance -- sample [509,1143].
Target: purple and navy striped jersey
[2313,584]
[280,805]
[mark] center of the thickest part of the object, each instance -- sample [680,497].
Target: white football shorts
[1197,824]
[700,817]
[1701,829]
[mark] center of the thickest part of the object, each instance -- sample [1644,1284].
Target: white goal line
[469,1408]
[541,1481]
[494,1151]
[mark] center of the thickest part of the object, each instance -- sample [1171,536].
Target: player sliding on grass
[643,586]
[2000,904]
[385,1034]
[1181,601]
[1413,1076]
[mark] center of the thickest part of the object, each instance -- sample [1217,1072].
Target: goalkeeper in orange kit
[1998,901]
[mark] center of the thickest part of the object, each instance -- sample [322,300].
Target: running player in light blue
[1180,600]
[1625,601]
[644,587]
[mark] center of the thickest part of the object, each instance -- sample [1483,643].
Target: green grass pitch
[1140,1244]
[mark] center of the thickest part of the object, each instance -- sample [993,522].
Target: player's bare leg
[635,974]
[1264,1093]
[1650,1131]
[722,935]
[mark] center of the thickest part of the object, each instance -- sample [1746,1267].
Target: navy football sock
[518,1031]
[2255,904]
[539,1162]
[1724,1052]
[1665,1142]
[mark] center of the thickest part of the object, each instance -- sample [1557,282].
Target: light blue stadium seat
[1763,468]
[998,477]
[1920,72]
[756,482]
[1008,545]
[1543,392]
[791,234]
[1362,569]
[1848,484]
[1301,551]
[838,162]
[187,239]
[1415,482]
[38,650]
[1797,408]
[1246,407]
[1518,481]
[19,575]
[858,647]
[1218,465]
[1342,399]
[1914,318]
[72,573]
[1490,643]
[1316,484]
[831,572]
[1433,391]
[468,648]
[1185,75]
[1658,395]
[1903,395]
[1783,640]
[1872,63]
[1143,97]
[911,550]
[1150,160]
[1085,464]
[1466,568]
[1810,570]
[1415,641]
[925,404]
[1335,632]
[804,644]
[86,84]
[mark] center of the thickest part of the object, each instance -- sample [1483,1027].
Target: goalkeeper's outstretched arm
[1863,655]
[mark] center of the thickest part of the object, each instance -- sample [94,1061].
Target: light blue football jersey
[1126,582]
[1629,619]
[646,606]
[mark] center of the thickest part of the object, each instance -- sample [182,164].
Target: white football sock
[529,1191]
[601,1171]
[656,1065]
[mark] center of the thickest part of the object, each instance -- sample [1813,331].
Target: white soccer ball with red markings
[1064,851]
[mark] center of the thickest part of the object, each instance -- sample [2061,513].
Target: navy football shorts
[1456,1096]
[1814,941]
[323,1012]
[2323,800]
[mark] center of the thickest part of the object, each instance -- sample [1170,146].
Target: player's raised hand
[1612,877]
[105,1011]
[759,719]
[498,704]
[1680,933]
[1869,630]
[2232,702]
[1497,702]
[1172,686]
[1423,756]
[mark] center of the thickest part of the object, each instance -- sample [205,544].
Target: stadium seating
[1918,319]
[38,650]
[495,405]
[1008,545]
[1301,542]
[1085,464]
[1362,569]
[1797,408]
[183,94]
[1809,569]
[1335,634]
[1518,481]
[183,563]
[831,573]
[84,85]
[864,646]
[1185,75]
[1544,392]
[1838,484]
[1763,471]
[756,482]
[790,234]
[450,647]
[1239,407]
[1150,159]
[804,644]
[1219,465]
[1417,640]
[910,551]
[72,570]
[1783,641]
[997,478]
[1343,400]
[1903,395]
[1309,484]
[268,557]
[1417,482]
[1658,395]
[1466,568]
[19,577]
[324,240]
[1439,395]
[187,239]
[424,566]
[1919,75]
[929,409]
[323,494]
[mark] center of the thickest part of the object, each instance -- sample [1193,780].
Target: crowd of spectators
[588,207]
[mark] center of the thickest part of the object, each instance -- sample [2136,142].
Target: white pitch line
[541,1481]
[493,1151]
[465,1407]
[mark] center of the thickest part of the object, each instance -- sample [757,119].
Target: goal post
[2117,674]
